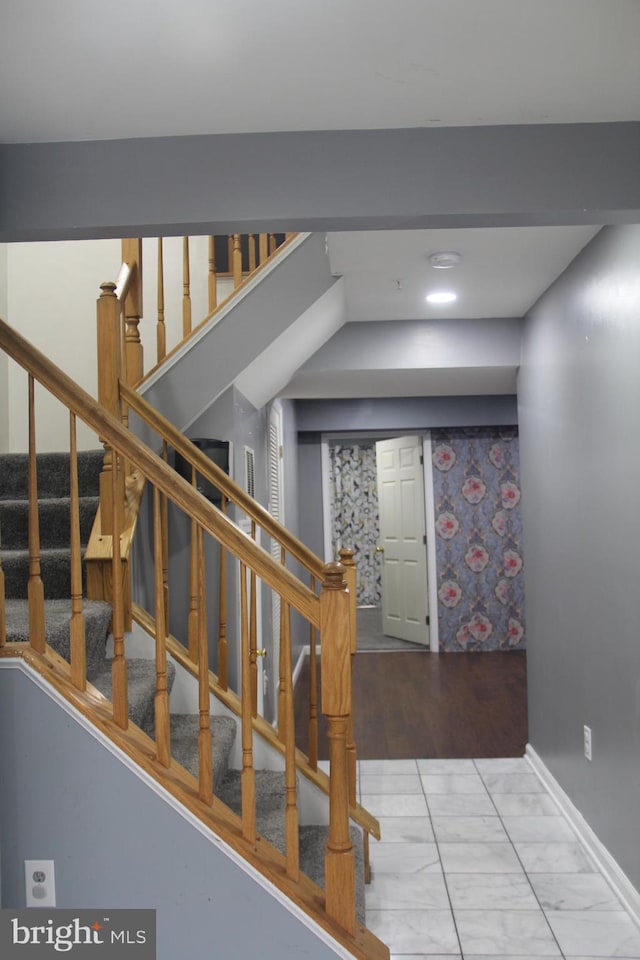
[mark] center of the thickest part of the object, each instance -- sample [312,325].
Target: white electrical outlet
[587,742]
[40,883]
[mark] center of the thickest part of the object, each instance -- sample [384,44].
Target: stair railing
[232,261]
[329,612]
[115,366]
[289,547]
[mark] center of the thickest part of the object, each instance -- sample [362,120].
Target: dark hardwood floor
[434,705]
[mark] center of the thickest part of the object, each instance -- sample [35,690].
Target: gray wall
[336,179]
[115,843]
[579,411]
[404,413]
[424,343]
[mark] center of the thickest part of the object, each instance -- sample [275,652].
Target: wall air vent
[250,471]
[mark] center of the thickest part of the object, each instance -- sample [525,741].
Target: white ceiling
[501,274]
[86,69]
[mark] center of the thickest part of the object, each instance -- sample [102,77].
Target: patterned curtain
[476,481]
[354,512]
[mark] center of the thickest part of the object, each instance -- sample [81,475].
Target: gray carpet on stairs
[141,680]
[270,811]
[57,615]
[184,743]
[53,474]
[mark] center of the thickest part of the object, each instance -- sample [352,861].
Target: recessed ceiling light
[444,259]
[441,296]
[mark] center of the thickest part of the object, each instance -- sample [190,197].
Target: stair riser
[55,567]
[53,474]
[54,522]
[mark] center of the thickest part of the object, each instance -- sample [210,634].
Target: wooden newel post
[335,642]
[109,360]
[351,577]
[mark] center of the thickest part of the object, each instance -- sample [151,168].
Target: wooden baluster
[273,243]
[222,611]
[253,634]
[186,292]
[248,776]
[35,587]
[193,620]
[161,330]
[161,702]
[366,856]
[124,378]
[132,255]
[213,282]
[119,668]
[336,705]
[351,577]
[164,517]
[205,760]
[282,670]
[313,692]
[77,630]
[291,808]
[252,252]
[109,368]
[263,247]
[237,260]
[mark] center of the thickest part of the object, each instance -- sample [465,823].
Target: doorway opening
[378,501]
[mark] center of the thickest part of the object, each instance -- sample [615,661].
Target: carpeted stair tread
[313,844]
[270,811]
[270,802]
[57,614]
[55,570]
[53,474]
[54,517]
[184,743]
[141,679]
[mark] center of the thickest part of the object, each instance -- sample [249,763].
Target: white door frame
[432,580]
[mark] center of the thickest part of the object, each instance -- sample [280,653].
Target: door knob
[262,652]
[379,549]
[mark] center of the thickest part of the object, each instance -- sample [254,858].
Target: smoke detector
[444,259]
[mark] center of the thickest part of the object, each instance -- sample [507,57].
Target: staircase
[52,471]
[45,519]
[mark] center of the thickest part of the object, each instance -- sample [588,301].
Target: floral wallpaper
[354,512]
[476,479]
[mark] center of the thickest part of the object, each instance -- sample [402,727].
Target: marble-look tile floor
[477,862]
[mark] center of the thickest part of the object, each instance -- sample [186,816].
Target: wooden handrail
[211,471]
[154,469]
[123,281]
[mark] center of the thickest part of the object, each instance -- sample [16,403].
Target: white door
[403,550]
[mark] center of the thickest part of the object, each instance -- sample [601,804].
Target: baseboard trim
[610,869]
